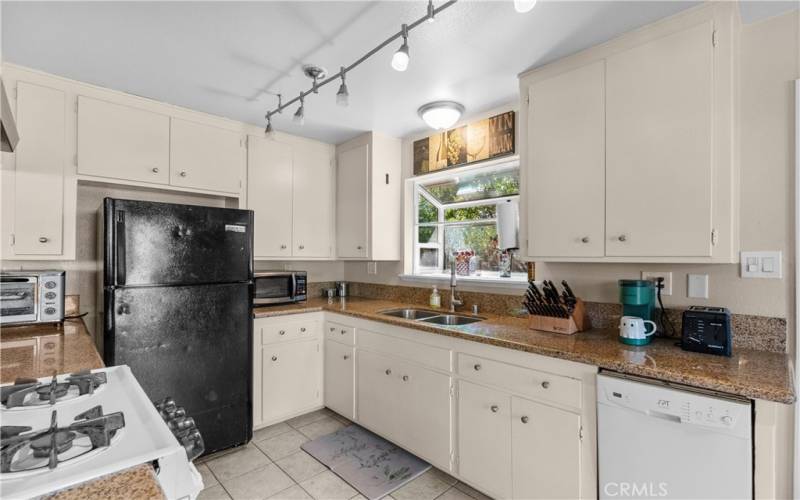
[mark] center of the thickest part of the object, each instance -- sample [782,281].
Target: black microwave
[279,287]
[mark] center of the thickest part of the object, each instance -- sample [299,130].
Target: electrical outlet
[667,275]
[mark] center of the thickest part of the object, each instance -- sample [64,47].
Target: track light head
[431,12]
[269,132]
[523,6]
[401,57]
[299,115]
[343,96]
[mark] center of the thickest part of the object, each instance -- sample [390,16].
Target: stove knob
[181,424]
[50,295]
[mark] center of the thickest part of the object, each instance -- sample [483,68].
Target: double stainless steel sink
[432,317]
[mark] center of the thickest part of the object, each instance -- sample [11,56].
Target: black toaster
[708,330]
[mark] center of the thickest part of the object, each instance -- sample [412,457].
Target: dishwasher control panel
[671,404]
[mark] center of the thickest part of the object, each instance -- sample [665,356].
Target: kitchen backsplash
[751,332]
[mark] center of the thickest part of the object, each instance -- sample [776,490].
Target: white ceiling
[225,58]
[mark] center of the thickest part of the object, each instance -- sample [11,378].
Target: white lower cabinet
[484,438]
[287,368]
[340,372]
[546,451]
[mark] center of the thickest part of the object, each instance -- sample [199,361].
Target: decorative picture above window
[482,140]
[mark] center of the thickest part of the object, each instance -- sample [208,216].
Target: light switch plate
[667,275]
[372,268]
[761,264]
[697,286]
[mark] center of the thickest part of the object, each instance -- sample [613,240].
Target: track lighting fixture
[299,115]
[343,96]
[400,61]
[400,58]
[269,131]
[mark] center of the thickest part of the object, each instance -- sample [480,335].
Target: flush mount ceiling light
[440,114]
[523,6]
[400,61]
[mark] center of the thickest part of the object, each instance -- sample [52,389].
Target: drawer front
[280,332]
[541,385]
[435,357]
[340,333]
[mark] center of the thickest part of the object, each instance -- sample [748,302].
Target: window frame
[413,270]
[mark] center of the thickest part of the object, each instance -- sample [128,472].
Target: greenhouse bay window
[470,215]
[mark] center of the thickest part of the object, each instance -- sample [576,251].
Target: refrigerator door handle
[120,241]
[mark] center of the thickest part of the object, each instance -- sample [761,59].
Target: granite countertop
[39,351]
[749,373]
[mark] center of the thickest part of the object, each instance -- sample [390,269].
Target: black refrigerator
[177,289]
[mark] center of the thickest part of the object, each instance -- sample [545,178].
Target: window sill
[483,281]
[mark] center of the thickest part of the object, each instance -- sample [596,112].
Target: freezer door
[193,343]
[150,243]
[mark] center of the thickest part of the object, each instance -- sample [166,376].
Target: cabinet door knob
[359,247]
[344,331]
[274,358]
[183,173]
[477,366]
[43,239]
[494,408]
[388,371]
[282,332]
[283,247]
[301,247]
[302,329]
[622,237]
[585,239]
[155,170]
[545,384]
[346,357]
[524,419]
[405,378]
[333,329]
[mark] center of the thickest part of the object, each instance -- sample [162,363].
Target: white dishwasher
[662,440]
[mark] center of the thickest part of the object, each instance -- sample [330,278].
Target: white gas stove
[78,427]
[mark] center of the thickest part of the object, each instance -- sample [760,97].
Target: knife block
[577,322]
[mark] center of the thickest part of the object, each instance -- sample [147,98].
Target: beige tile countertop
[40,351]
[749,373]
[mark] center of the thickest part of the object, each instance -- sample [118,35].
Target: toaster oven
[31,297]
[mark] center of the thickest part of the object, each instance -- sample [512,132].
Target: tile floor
[273,466]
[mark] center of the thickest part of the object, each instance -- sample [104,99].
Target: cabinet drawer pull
[388,371]
[183,173]
[585,239]
[524,419]
[494,408]
[622,237]
[155,170]
[283,247]
[405,378]
[545,384]
[303,329]
[274,358]
[344,331]
[43,239]
[282,332]
[346,357]
[301,247]
[477,367]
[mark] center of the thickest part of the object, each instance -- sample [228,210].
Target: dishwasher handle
[664,416]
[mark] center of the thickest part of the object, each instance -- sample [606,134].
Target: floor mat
[369,463]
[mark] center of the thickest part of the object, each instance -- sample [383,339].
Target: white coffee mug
[632,330]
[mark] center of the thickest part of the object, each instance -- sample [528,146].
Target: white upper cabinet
[369,198]
[290,189]
[566,154]
[352,198]
[122,142]
[205,157]
[269,195]
[39,173]
[659,99]
[629,150]
[312,199]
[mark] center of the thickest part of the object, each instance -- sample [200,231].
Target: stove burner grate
[22,450]
[31,392]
